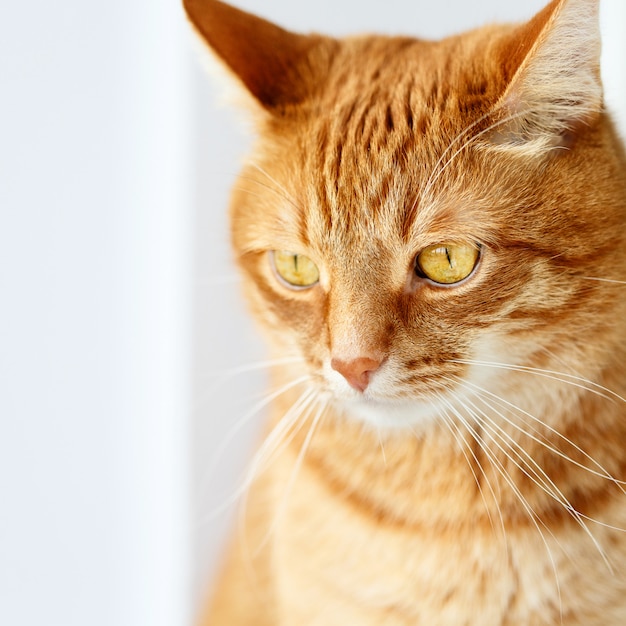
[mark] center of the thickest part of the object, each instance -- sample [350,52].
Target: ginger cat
[432,236]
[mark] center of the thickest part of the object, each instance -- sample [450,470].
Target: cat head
[414,210]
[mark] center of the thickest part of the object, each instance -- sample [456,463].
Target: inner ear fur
[273,64]
[553,63]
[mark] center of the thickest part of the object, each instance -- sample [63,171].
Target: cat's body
[449,440]
[341,559]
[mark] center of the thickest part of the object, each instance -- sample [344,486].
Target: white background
[118,304]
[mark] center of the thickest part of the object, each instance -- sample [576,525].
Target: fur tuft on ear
[272,64]
[555,89]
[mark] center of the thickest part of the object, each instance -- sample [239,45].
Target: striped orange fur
[440,453]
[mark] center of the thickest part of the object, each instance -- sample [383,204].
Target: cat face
[415,210]
[364,202]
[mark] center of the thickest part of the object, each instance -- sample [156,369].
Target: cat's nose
[356,371]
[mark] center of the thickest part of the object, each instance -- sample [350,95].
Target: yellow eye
[295,269]
[447,263]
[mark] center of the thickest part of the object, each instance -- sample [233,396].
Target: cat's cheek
[300,329]
[293,320]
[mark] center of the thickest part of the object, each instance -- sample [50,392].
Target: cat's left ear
[556,89]
[274,66]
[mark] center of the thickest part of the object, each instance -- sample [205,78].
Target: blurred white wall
[613,24]
[95,310]
[119,307]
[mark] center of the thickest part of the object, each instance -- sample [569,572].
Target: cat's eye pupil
[294,270]
[447,264]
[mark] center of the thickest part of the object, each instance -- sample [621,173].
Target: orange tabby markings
[448,441]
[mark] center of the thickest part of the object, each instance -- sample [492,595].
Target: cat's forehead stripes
[368,154]
[378,130]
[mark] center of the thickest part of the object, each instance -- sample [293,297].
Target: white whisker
[435,171]
[270,443]
[240,423]
[382,447]
[223,376]
[277,440]
[294,475]
[576,381]
[250,367]
[602,473]
[279,189]
[604,280]
[433,178]
[499,467]
[531,468]
[280,437]
[456,435]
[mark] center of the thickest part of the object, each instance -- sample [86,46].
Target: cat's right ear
[271,64]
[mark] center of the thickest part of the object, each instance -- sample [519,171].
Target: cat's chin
[392,414]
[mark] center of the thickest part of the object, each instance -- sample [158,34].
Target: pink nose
[357,371]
